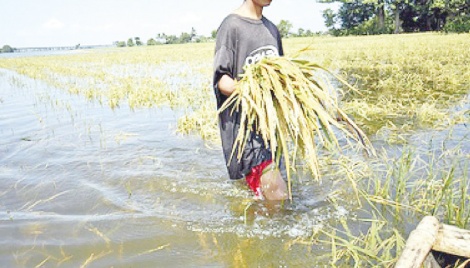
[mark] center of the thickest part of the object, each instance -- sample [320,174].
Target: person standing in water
[243,38]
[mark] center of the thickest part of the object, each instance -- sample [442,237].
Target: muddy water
[84,185]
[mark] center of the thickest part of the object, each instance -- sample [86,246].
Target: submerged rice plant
[293,108]
[406,82]
[394,196]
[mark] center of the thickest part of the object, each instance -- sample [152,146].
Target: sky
[42,23]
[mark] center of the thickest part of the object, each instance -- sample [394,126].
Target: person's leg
[272,186]
[253,179]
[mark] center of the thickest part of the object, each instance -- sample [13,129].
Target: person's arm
[226,85]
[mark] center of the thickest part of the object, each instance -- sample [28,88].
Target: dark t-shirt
[242,41]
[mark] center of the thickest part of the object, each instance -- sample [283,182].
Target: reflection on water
[81,184]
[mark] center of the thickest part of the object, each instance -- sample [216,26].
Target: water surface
[84,185]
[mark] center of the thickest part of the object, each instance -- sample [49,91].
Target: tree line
[358,17]
[163,38]
[285,28]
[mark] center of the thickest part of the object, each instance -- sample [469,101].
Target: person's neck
[250,10]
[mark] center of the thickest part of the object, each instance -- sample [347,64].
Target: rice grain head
[294,109]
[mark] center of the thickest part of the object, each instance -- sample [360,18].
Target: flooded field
[81,183]
[91,181]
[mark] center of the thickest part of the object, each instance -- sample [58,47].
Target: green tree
[432,15]
[214,34]
[152,42]
[171,39]
[137,41]
[460,24]
[380,13]
[329,16]
[7,49]
[387,16]
[378,9]
[185,38]
[353,14]
[130,42]
[120,44]
[284,27]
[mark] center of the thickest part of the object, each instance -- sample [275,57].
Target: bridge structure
[31,49]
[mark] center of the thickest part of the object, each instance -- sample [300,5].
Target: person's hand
[227,85]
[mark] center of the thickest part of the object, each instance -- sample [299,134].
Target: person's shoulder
[266,21]
[230,19]
[271,26]
[230,24]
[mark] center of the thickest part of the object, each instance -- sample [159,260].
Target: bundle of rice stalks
[294,109]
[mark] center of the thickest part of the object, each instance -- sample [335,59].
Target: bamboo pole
[419,243]
[453,240]
[429,234]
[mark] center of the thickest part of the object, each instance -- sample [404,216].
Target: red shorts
[253,179]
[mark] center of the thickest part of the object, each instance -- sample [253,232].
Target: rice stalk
[154,250]
[293,109]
